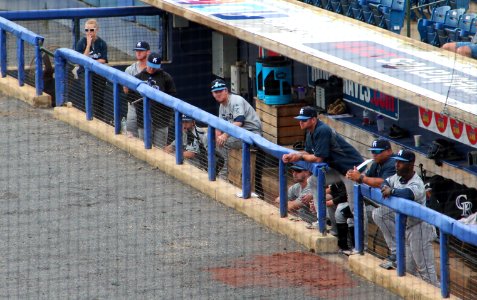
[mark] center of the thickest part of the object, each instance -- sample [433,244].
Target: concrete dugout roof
[395,65]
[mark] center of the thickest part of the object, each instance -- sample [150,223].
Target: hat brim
[297,168]
[155,66]
[140,49]
[218,89]
[402,159]
[302,118]
[374,149]
[187,120]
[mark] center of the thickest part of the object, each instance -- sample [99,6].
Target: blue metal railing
[149,94]
[22,35]
[405,208]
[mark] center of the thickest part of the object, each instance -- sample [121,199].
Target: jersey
[133,69]
[324,142]
[99,48]
[385,170]
[160,114]
[416,185]
[237,108]
[295,192]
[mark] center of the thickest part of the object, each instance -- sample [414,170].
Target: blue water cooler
[274,80]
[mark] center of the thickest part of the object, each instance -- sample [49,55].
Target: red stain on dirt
[296,269]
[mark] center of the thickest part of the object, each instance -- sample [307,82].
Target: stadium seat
[452,20]
[336,6]
[467,36]
[366,10]
[458,4]
[464,24]
[394,16]
[356,10]
[426,26]
[326,4]
[377,10]
[346,8]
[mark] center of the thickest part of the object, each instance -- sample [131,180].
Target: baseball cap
[380,144]
[297,168]
[142,46]
[154,60]
[405,156]
[306,113]
[217,85]
[186,118]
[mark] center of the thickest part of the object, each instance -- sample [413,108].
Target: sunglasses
[377,151]
[89,30]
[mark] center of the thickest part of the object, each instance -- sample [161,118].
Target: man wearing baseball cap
[161,115]
[233,109]
[383,166]
[419,235]
[324,144]
[141,50]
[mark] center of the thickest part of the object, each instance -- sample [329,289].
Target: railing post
[444,260]
[76,31]
[400,243]
[211,153]
[320,180]
[282,179]
[178,135]
[358,219]
[246,185]
[39,69]
[116,108]
[3,52]
[88,94]
[147,123]
[21,61]
[60,79]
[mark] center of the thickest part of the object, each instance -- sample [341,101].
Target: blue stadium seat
[426,26]
[394,16]
[458,4]
[467,36]
[336,6]
[452,20]
[326,4]
[366,10]
[464,24]
[378,9]
[346,8]
[356,10]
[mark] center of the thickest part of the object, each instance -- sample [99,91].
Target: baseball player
[419,235]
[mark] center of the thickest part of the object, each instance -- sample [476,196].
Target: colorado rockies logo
[464,205]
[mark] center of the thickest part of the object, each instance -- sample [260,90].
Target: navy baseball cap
[154,60]
[297,168]
[405,156]
[142,46]
[306,113]
[217,85]
[186,118]
[380,144]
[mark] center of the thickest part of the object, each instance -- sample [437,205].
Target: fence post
[358,219]
[246,178]
[444,260]
[21,61]
[400,243]
[60,65]
[282,179]
[320,183]
[178,135]
[211,153]
[116,108]
[39,69]
[147,123]
[88,93]
[3,52]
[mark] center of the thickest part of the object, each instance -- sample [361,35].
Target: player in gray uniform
[419,235]
[233,109]
[299,195]
[142,50]
[382,167]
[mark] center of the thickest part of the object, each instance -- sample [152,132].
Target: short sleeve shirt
[295,192]
[385,170]
[99,48]
[133,69]
[324,142]
[237,107]
[416,185]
